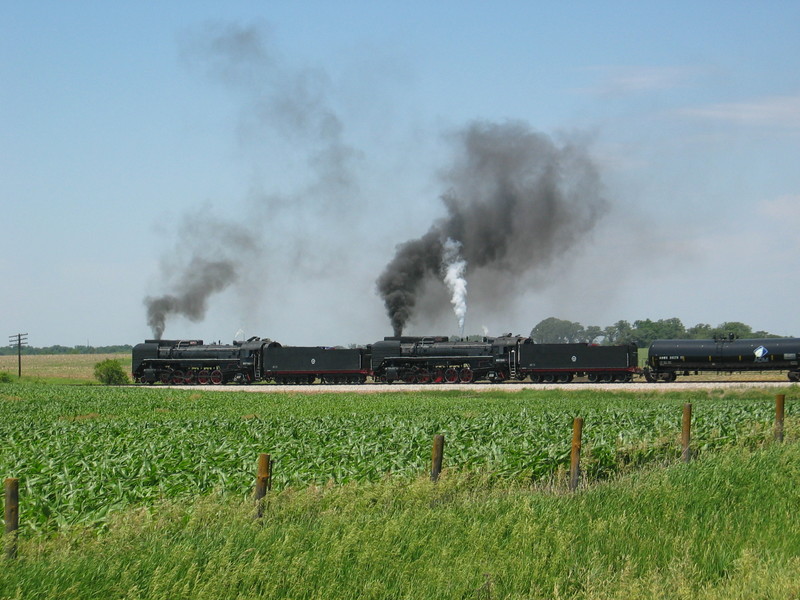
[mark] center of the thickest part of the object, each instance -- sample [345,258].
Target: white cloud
[783,209]
[624,80]
[779,111]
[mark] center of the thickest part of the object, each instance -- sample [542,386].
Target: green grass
[722,527]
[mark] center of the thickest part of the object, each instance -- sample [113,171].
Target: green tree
[739,330]
[620,332]
[701,331]
[557,331]
[646,331]
[110,372]
[591,334]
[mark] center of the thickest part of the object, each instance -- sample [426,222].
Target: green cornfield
[81,453]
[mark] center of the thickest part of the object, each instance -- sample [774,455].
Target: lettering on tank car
[670,358]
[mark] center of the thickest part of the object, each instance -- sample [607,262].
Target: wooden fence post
[575,455]
[437,456]
[780,399]
[263,481]
[11,516]
[686,433]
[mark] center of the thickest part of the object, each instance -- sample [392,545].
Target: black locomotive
[406,359]
[666,359]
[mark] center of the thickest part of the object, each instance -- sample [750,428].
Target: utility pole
[19,340]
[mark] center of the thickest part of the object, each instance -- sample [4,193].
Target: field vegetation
[68,369]
[145,492]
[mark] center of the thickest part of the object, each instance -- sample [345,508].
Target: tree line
[641,333]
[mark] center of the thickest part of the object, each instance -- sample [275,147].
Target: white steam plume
[454,267]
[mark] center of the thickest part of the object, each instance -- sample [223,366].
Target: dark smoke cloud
[207,259]
[286,109]
[201,279]
[515,201]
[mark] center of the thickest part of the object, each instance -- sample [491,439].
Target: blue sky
[127,143]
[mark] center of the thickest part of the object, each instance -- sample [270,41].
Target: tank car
[666,359]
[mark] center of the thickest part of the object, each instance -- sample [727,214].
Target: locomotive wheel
[451,375]
[466,375]
[177,377]
[564,377]
[423,376]
[535,378]
[409,377]
[593,378]
[438,376]
[164,377]
[216,377]
[189,378]
[203,377]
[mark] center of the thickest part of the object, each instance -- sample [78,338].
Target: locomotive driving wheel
[466,375]
[216,377]
[451,375]
[423,376]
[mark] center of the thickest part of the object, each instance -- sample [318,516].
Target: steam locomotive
[406,359]
[440,360]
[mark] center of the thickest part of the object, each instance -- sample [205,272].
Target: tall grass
[724,526]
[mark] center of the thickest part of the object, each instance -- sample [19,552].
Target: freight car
[666,359]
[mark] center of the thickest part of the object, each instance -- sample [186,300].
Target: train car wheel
[466,375]
[451,375]
[564,377]
[189,378]
[438,376]
[177,377]
[203,377]
[535,378]
[164,376]
[423,376]
[216,377]
[593,378]
[409,377]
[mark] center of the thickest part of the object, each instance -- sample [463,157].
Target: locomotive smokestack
[508,188]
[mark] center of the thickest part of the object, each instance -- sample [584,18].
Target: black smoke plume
[515,200]
[197,283]
[283,107]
